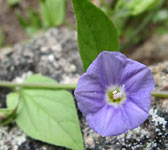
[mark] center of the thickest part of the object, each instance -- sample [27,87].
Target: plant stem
[38,85]
[56,86]
[161,94]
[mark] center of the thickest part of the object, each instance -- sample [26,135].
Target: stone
[153,50]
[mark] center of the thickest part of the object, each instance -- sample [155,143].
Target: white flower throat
[115,95]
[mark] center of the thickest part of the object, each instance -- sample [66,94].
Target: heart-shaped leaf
[47,115]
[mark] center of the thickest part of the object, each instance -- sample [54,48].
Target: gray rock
[55,54]
[152,51]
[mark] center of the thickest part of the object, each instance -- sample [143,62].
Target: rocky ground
[55,54]
[152,51]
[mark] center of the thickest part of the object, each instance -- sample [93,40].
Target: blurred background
[137,21]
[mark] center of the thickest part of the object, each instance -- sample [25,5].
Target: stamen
[115,91]
[115,95]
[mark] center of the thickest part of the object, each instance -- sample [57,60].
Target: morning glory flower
[114,94]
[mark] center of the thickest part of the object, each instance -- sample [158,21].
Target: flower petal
[113,64]
[108,67]
[95,71]
[136,77]
[135,114]
[108,121]
[89,94]
[142,100]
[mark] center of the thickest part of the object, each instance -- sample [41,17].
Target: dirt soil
[9,24]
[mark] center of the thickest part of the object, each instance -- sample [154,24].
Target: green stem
[38,85]
[162,94]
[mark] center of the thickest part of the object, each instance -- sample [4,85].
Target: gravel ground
[55,54]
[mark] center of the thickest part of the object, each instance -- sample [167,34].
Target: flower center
[115,96]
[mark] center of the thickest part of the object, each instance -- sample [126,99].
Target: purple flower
[115,93]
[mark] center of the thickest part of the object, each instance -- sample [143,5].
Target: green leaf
[139,6]
[22,20]
[6,116]
[2,37]
[34,18]
[135,7]
[161,16]
[37,78]
[52,12]
[13,2]
[96,32]
[48,115]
